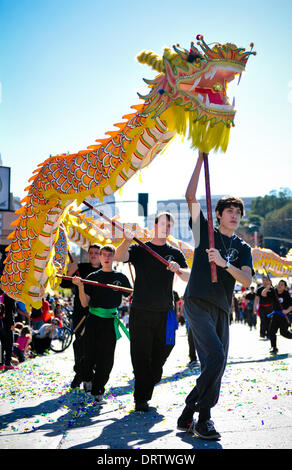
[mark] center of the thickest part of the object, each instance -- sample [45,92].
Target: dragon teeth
[213,73]
[208,74]
[196,83]
[207,100]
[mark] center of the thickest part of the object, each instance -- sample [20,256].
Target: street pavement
[39,411]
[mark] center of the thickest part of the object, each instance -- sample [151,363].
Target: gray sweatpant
[210,329]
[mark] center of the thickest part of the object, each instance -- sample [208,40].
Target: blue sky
[68,72]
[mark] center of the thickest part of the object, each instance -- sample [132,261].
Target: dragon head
[195,81]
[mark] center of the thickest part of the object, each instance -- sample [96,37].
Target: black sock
[204,414]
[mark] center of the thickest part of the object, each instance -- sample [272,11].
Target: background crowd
[26,334]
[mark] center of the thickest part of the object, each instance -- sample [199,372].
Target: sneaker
[10,367]
[206,430]
[141,406]
[87,386]
[187,426]
[186,422]
[274,350]
[99,399]
[2,367]
[192,363]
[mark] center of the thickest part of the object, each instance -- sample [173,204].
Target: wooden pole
[210,216]
[119,227]
[98,284]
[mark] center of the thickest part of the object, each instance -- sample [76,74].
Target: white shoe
[87,386]
[99,399]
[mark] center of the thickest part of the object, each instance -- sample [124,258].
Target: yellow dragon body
[189,96]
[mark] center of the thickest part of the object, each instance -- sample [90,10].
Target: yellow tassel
[204,135]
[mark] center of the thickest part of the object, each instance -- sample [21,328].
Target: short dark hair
[228,201]
[168,215]
[109,248]
[94,245]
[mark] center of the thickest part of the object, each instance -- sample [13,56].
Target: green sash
[110,313]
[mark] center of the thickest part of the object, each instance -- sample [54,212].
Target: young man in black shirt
[152,321]
[82,270]
[251,316]
[282,307]
[263,305]
[208,304]
[102,324]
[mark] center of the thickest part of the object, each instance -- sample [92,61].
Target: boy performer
[152,325]
[102,324]
[208,304]
[82,270]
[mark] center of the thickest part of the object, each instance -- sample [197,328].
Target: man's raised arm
[193,183]
[122,251]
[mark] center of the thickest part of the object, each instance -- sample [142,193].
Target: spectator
[21,347]
[251,316]
[58,312]
[21,313]
[42,338]
[126,319]
[123,308]
[180,311]
[263,305]
[282,306]
[235,307]
[40,316]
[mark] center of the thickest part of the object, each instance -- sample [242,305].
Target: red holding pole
[209,215]
[119,227]
[98,284]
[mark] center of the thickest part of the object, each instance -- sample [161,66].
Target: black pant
[251,317]
[40,344]
[192,349]
[265,322]
[78,349]
[210,329]
[278,322]
[149,350]
[6,339]
[99,349]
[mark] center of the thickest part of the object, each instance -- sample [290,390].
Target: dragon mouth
[210,88]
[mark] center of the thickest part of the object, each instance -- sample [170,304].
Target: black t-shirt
[265,303]
[250,296]
[281,301]
[200,285]
[153,283]
[105,297]
[84,269]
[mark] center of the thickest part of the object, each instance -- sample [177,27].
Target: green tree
[278,224]
[262,205]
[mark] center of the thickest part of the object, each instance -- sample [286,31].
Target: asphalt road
[39,411]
